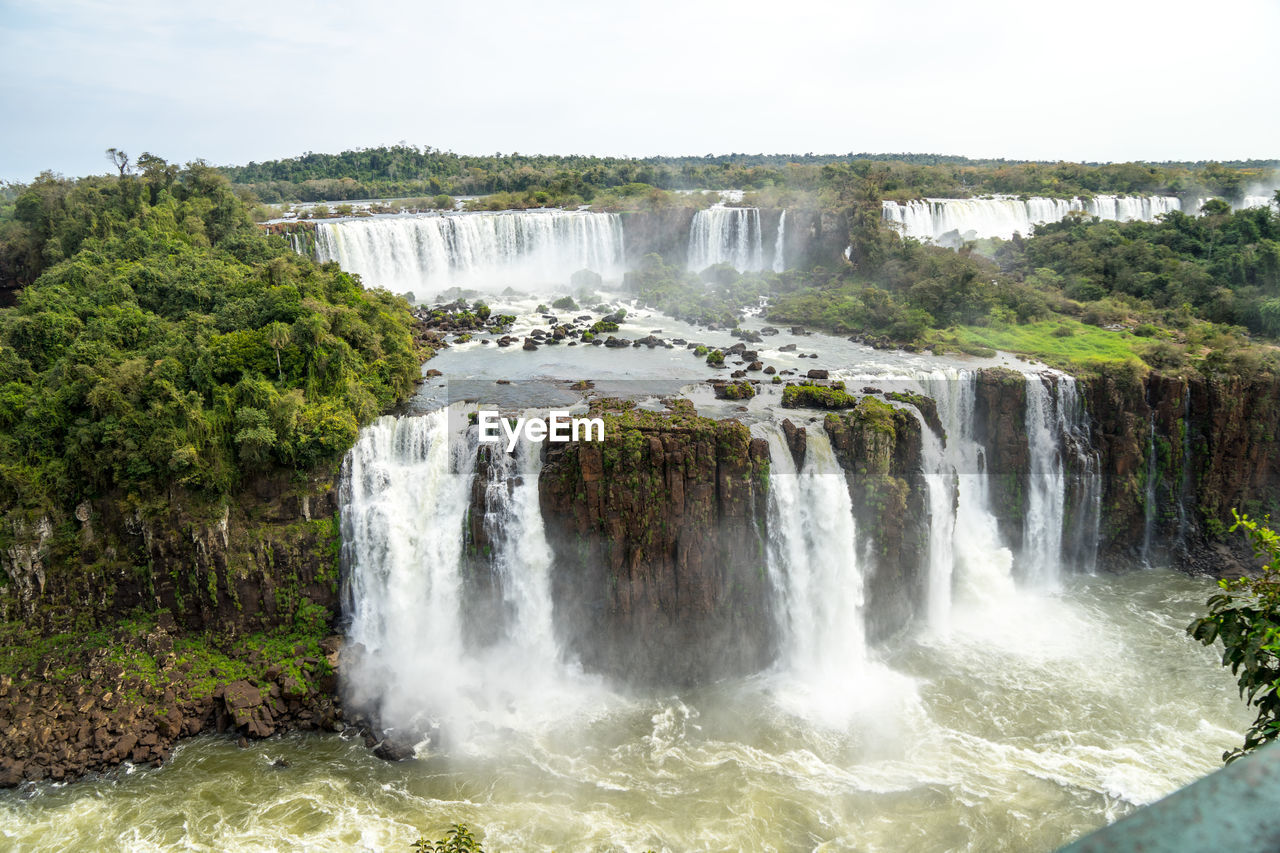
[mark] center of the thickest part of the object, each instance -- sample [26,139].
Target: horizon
[884,157]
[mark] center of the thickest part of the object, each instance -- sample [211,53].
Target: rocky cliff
[879,447]
[1179,453]
[658,532]
[126,628]
[1000,427]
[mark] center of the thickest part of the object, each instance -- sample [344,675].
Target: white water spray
[951,221]
[983,563]
[780,245]
[521,555]
[726,235]
[813,560]
[431,252]
[1047,487]
[406,493]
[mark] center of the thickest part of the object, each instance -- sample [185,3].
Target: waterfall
[1259,201]
[1046,491]
[432,252]
[405,491]
[1083,465]
[1185,488]
[726,235]
[406,494]
[966,557]
[1149,496]
[780,245]
[521,554]
[813,561]
[982,562]
[940,479]
[951,221]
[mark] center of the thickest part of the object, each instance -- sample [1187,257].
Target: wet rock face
[797,441]
[1198,447]
[246,564]
[1000,428]
[879,448]
[208,574]
[660,571]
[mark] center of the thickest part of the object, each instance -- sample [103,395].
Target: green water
[1036,720]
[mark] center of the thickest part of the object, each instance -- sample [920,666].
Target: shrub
[1245,616]
[810,396]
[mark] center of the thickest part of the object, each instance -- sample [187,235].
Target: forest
[163,341]
[160,337]
[405,171]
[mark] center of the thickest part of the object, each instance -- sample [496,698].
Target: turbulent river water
[1013,716]
[1039,718]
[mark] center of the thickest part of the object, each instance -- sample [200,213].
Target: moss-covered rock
[658,532]
[879,448]
[809,395]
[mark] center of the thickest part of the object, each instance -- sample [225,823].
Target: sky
[232,82]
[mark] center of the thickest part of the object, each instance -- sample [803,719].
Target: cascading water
[950,221]
[813,560]
[521,556]
[431,252]
[1259,201]
[940,478]
[1084,478]
[726,235]
[404,484]
[406,494]
[1047,489]
[824,674]
[1149,496]
[983,564]
[1063,466]
[1077,707]
[780,245]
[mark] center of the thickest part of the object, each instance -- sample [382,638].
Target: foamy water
[1038,718]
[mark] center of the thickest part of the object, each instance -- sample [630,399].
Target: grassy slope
[1085,346]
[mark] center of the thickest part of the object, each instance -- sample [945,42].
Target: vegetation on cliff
[813,396]
[176,388]
[1245,616]
[163,340]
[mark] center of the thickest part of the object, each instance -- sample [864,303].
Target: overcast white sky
[234,81]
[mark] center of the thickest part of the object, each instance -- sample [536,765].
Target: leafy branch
[1245,616]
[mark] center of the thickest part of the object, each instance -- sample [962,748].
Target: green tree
[278,338]
[1245,616]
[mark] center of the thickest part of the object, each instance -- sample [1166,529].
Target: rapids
[1038,718]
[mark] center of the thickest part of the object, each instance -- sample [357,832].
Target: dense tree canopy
[1224,265]
[404,170]
[164,340]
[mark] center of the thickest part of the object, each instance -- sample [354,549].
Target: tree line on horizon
[405,170]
